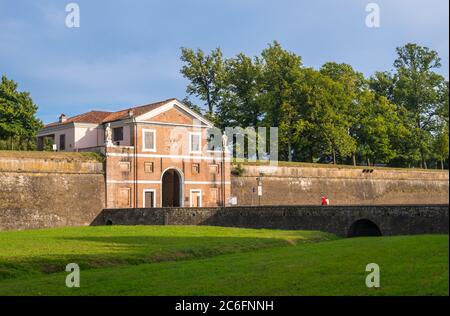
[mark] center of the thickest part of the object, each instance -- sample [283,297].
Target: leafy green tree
[417,90]
[441,146]
[244,86]
[383,84]
[323,126]
[377,128]
[441,137]
[280,78]
[353,84]
[443,108]
[399,118]
[192,105]
[352,81]
[206,75]
[18,123]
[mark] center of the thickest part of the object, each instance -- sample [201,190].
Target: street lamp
[224,145]
[259,183]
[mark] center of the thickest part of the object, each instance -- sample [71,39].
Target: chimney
[62,118]
[130,113]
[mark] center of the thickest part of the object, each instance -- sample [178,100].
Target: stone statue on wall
[108,135]
[224,141]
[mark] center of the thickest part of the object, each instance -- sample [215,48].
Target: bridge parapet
[351,220]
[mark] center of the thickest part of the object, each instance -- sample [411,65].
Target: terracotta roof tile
[98,117]
[95,117]
[137,110]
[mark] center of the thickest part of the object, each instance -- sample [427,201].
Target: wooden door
[149,198]
[196,199]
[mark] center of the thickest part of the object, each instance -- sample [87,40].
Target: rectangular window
[195,168]
[124,166]
[62,142]
[148,167]
[213,168]
[117,134]
[211,142]
[124,197]
[195,144]
[215,195]
[214,142]
[149,139]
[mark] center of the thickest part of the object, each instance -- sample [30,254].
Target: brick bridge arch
[363,228]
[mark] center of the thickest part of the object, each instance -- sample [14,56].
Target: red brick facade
[168,172]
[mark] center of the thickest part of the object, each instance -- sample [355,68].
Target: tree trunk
[256,143]
[442,164]
[368,162]
[311,155]
[289,152]
[423,163]
[354,159]
[334,156]
[208,101]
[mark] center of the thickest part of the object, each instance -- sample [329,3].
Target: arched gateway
[172,188]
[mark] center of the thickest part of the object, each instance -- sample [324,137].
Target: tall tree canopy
[18,122]
[243,83]
[417,89]
[206,74]
[281,79]
[323,124]
[333,114]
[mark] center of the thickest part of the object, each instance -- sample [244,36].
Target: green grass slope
[220,261]
[25,253]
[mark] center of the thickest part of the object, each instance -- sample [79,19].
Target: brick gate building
[157,155]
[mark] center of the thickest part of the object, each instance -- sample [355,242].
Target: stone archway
[172,188]
[363,228]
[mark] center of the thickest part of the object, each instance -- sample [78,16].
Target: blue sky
[127,53]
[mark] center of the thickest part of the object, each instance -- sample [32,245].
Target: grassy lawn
[245,162]
[171,260]
[78,156]
[31,252]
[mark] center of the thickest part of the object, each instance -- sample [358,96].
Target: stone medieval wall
[49,190]
[65,189]
[343,185]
